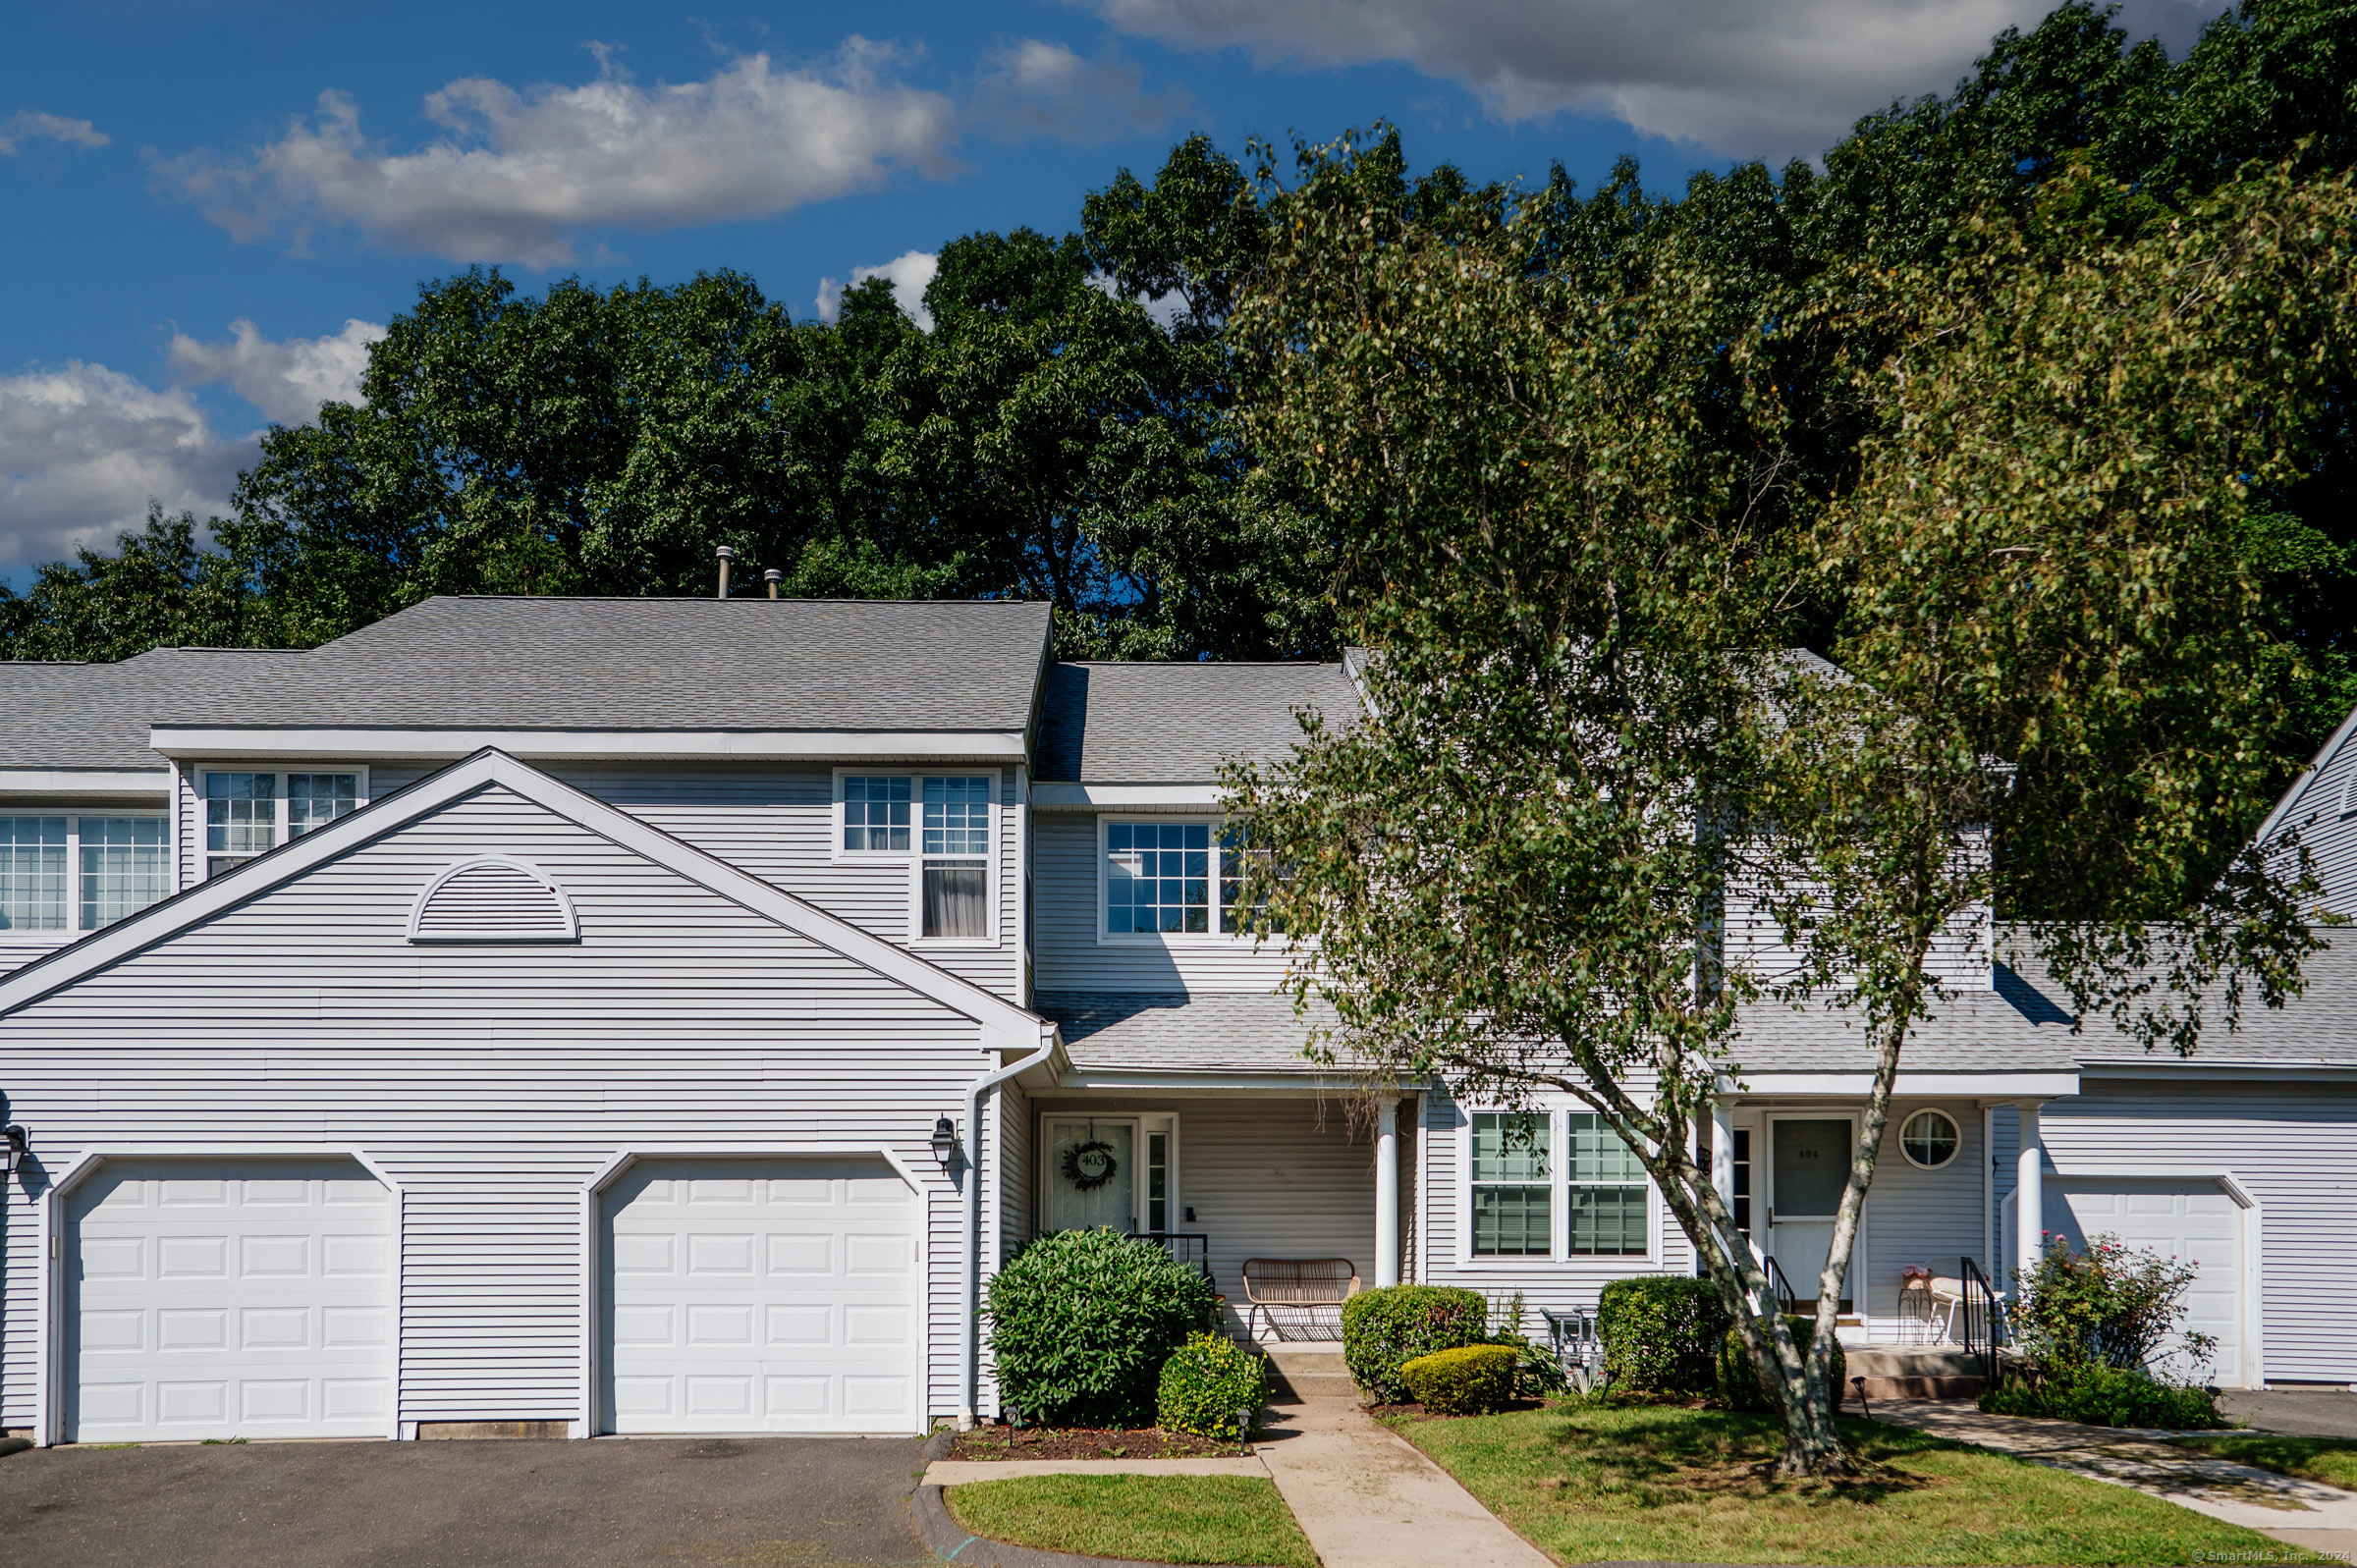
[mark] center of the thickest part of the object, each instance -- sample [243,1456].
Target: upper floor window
[1168,878]
[247,814]
[79,873]
[943,825]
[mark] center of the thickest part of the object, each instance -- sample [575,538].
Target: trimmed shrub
[2105,1396]
[1207,1382]
[1661,1333]
[1740,1384]
[1082,1323]
[1470,1380]
[1384,1329]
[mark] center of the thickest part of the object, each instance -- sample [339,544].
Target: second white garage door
[2193,1220]
[761,1295]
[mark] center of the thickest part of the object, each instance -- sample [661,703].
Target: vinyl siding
[1929,1217]
[2294,1148]
[777,822]
[489,1082]
[1070,957]
[1267,1179]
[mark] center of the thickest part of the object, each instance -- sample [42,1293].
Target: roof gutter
[969,1361]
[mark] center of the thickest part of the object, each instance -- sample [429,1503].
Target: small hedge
[2105,1396]
[1384,1329]
[1470,1380]
[1661,1333]
[1082,1320]
[1739,1385]
[1207,1382]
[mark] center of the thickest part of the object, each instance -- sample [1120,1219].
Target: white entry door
[2190,1220]
[762,1296]
[211,1298]
[1808,1165]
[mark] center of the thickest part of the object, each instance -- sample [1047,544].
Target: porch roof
[2016,1027]
[1234,1032]
[2314,1029]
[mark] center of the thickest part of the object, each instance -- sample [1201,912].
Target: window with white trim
[941,825]
[1166,879]
[1512,1211]
[80,873]
[248,814]
[1606,1190]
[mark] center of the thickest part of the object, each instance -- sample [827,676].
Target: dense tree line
[1053,436]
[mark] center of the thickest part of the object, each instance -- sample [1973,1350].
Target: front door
[1808,1165]
[1092,1174]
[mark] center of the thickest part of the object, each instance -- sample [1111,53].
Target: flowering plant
[1913,1271]
[2105,1307]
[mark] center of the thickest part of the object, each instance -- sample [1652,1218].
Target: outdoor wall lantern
[17,1139]
[944,1141]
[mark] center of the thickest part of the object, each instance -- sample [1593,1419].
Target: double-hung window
[1607,1190]
[247,814]
[1513,1216]
[941,825]
[79,873]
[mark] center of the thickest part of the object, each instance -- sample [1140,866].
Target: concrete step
[1307,1370]
[1920,1387]
[1916,1372]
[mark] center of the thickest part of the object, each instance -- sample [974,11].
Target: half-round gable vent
[493,898]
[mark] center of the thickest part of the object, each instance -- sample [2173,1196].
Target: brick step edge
[950,1541]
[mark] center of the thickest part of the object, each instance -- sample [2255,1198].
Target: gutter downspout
[969,1366]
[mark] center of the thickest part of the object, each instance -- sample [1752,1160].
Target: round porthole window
[1929,1139]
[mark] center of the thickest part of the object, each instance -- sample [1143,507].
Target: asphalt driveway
[737,1502]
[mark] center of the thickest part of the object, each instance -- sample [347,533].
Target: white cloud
[287,379]
[1770,78]
[84,449]
[518,174]
[908,272]
[1037,88]
[30,125]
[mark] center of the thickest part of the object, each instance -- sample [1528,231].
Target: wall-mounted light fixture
[16,1138]
[945,1139]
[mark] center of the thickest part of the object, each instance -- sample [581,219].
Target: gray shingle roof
[1146,1029]
[2316,1028]
[2015,1028]
[658,664]
[1176,723]
[98,715]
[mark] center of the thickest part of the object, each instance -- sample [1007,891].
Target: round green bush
[1384,1329]
[1661,1333]
[1206,1381]
[1470,1380]
[1082,1322]
[2098,1396]
[1738,1375]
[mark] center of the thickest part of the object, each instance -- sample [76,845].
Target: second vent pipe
[726,556]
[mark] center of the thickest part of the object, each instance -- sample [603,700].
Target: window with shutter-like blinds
[493,898]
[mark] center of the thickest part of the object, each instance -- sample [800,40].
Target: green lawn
[1593,1482]
[1206,1519]
[2330,1460]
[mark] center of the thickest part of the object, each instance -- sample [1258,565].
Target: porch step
[1893,1373]
[1311,1370]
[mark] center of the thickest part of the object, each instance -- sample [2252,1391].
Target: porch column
[2029,1207]
[1387,1193]
[1723,1151]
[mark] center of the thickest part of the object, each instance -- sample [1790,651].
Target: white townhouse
[661,1016]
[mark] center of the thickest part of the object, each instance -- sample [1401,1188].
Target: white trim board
[1004,1025]
[199,743]
[84,781]
[1128,796]
[1999,1085]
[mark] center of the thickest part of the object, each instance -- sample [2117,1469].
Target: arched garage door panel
[228,1298]
[2193,1220]
[761,1295]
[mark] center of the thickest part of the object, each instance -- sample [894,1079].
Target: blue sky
[212,207]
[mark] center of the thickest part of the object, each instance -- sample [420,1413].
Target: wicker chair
[1292,1292]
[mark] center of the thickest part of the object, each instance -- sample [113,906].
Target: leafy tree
[1594,819]
[159,589]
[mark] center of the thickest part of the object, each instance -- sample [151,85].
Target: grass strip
[2332,1461]
[1189,1519]
[1601,1483]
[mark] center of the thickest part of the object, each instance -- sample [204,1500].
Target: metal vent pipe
[726,556]
[773,576]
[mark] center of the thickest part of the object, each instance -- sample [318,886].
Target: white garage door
[762,1296]
[228,1299]
[2192,1221]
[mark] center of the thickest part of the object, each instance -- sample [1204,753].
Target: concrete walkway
[2300,1513]
[1364,1497]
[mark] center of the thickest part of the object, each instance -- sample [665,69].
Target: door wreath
[1089,1166]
